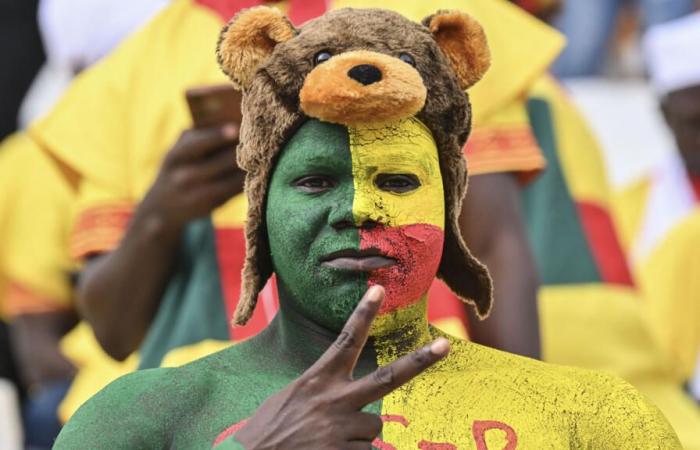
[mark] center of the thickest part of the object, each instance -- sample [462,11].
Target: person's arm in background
[37,296]
[119,292]
[493,225]
[35,339]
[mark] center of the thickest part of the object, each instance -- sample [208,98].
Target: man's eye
[314,183]
[397,183]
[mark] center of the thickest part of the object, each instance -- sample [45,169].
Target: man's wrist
[153,226]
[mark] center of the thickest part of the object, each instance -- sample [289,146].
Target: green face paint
[303,227]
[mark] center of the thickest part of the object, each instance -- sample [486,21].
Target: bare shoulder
[601,410]
[137,410]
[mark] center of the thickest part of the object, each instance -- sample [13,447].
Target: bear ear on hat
[249,39]
[463,41]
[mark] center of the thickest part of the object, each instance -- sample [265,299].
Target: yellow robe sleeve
[120,117]
[37,267]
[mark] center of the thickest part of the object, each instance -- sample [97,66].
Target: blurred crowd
[119,254]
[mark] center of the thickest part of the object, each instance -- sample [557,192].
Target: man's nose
[352,215]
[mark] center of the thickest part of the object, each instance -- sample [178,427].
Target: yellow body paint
[484,399]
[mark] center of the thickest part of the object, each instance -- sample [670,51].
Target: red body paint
[417,248]
[480,427]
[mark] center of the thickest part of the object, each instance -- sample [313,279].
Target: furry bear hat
[351,67]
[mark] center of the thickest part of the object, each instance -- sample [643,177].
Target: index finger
[382,381]
[342,355]
[197,143]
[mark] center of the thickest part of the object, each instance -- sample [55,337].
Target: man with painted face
[351,139]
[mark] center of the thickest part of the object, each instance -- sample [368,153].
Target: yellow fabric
[603,327]
[118,119]
[35,213]
[628,206]
[668,278]
[504,142]
[183,355]
[665,276]
[11,157]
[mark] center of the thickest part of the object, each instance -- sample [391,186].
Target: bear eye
[408,59]
[321,57]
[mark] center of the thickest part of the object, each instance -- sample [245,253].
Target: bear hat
[376,66]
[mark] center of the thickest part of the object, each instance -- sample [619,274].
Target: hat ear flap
[463,42]
[248,40]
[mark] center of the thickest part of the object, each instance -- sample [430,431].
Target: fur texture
[458,34]
[241,49]
[272,113]
[331,95]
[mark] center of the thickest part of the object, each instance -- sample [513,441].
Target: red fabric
[605,246]
[230,251]
[299,10]
[443,304]
[302,10]
[226,9]
[695,182]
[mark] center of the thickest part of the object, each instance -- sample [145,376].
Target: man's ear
[248,40]
[463,41]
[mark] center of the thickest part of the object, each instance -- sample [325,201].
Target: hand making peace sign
[322,408]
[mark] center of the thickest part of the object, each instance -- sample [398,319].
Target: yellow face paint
[403,147]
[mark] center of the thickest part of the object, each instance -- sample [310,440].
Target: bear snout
[362,87]
[365,74]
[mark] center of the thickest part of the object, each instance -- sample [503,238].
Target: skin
[498,240]
[681,109]
[302,383]
[125,286]
[35,340]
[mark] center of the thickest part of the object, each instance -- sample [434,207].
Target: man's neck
[300,341]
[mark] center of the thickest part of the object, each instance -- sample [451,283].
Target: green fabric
[553,222]
[192,308]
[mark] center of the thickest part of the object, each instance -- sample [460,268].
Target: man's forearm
[493,226]
[513,324]
[119,292]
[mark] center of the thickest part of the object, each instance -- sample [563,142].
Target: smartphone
[214,105]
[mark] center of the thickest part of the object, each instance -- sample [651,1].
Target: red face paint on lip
[417,249]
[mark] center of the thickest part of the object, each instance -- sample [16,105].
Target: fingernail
[440,347]
[229,131]
[374,294]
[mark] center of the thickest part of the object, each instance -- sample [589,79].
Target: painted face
[351,207]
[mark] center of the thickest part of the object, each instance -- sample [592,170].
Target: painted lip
[358,260]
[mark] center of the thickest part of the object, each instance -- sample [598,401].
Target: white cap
[672,51]
[76,33]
